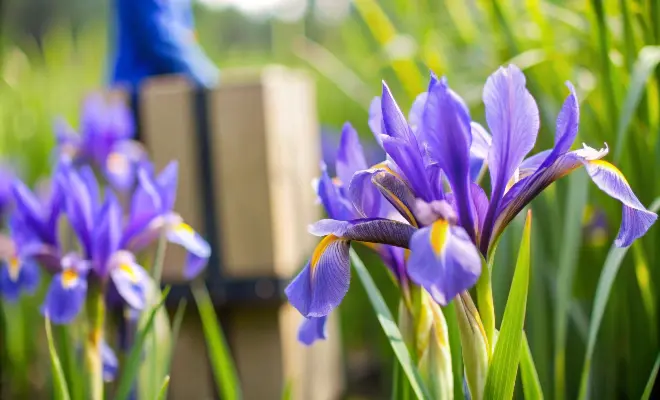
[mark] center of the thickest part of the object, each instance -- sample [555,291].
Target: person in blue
[157,37]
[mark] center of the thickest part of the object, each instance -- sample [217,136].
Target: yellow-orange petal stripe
[401,205]
[69,278]
[14,268]
[128,269]
[610,167]
[320,249]
[438,236]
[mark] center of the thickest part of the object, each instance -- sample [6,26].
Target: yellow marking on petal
[117,163]
[320,249]
[609,167]
[336,181]
[14,268]
[383,165]
[69,278]
[438,236]
[184,229]
[128,269]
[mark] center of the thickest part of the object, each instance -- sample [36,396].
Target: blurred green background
[52,53]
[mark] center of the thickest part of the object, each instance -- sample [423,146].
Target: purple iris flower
[105,141]
[152,215]
[34,223]
[99,229]
[18,273]
[450,233]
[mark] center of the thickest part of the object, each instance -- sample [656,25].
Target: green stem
[157,268]
[486,305]
[96,317]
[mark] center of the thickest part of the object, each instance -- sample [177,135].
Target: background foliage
[51,53]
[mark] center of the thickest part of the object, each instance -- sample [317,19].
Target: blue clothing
[156,37]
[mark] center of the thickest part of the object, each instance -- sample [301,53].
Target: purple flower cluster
[426,197]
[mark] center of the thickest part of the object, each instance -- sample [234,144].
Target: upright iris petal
[449,133]
[513,119]
[402,146]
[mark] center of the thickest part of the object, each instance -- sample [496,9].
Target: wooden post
[264,152]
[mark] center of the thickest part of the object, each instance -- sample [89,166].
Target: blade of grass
[649,384]
[225,376]
[530,378]
[132,366]
[390,328]
[503,368]
[59,380]
[647,61]
[162,395]
[605,282]
[570,245]
[72,372]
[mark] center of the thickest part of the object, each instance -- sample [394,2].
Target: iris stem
[157,267]
[96,317]
[485,304]
[157,271]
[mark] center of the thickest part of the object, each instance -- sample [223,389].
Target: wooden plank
[168,124]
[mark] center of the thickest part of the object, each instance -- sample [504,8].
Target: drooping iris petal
[10,287]
[184,235]
[513,120]
[443,260]
[636,218]
[129,278]
[65,297]
[448,130]
[323,283]
[350,156]
[110,362]
[311,330]
[402,146]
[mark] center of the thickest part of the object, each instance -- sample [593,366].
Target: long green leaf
[647,61]
[455,348]
[59,381]
[649,384]
[530,378]
[605,282]
[162,394]
[390,328]
[226,378]
[131,367]
[576,199]
[503,369]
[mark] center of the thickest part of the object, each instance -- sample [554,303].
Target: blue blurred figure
[157,37]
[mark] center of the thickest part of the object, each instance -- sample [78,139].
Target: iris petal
[332,199]
[129,278]
[443,260]
[350,156]
[397,193]
[65,297]
[323,283]
[636,219]
[364,195]
[370,230]
[311,330]
[110,362]
[449,133]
